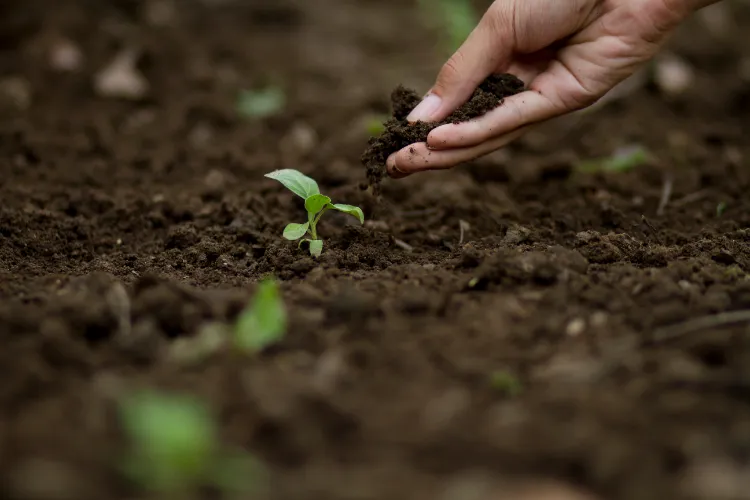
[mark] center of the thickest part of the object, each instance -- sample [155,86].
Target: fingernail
[390,164]
[424,111]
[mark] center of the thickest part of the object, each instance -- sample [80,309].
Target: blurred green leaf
[264,322]
[457,17]
[622,160]
[261,103]
[721,208]
[239,473]
[506,383]
[376,125]
[173,440]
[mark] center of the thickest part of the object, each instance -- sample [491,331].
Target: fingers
[486,50]
[419,157]
[517,111]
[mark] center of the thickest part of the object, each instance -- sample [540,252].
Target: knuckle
[450,73]
[499,18]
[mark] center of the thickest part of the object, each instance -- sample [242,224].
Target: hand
[569,53]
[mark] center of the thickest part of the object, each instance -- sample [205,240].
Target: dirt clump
[399,133]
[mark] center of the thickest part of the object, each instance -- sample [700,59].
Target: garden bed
[511,321]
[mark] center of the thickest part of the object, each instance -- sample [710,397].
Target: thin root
[679,330]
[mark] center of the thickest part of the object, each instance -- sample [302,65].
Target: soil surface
[511,323]
[399,133]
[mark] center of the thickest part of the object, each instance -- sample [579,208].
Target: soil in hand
[399,133]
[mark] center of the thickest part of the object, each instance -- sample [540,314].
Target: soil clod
[399,133]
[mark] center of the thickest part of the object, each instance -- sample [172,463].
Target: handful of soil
[399,133]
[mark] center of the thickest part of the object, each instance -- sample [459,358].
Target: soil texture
[399,133]
[512,328]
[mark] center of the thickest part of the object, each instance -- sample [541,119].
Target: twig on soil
[666,194]
[690,198]
[403,245]
[652,228]
[678,330]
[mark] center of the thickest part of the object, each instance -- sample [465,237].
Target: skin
[570,53]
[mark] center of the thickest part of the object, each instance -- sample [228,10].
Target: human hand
[568,53]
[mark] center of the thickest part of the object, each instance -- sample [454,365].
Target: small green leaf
[296,182]
[264,321]
[295,231]
[316,203]
[506,383]
[376,124]
[261,103]
[316,247]
[240,473]
[721,208]
[623,160]
[173,439]
[351,210]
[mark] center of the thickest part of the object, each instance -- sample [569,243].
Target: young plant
[623,160]
[506,383]
[261,103]
[263,322]
[457,17]
[316,205]
[174,448]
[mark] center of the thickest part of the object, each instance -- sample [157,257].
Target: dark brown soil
[128,225]
[399,133]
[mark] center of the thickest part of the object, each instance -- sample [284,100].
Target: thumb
[488,49]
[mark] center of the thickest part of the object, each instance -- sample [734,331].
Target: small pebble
[121,78]
[65,56]
[673,75]
[575,327]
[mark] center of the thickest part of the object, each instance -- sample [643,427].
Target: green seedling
[316,205]
[174,448]
[623,160]
[375,125]
[457,17]
[505,382]
[721,208]
[261,103]
[264,321]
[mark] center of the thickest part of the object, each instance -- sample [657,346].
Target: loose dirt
[488,329]
[399,133]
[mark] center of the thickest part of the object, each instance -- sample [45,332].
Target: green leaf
[296,182]
[316,247]
[376,124]
[173,439]
[721,208]
[261,103]
[457,18]
[623,160]
[351,210]
[316,203]
[295,231]
[240,473]
[264,322]
[506,383]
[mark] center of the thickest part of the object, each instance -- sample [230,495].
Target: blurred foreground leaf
[264,321]
[261,103]
[623,160]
